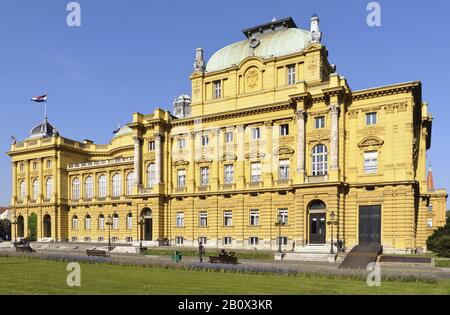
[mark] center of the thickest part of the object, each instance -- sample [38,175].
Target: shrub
[32,227]
[439,242]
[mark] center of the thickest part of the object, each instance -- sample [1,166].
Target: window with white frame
[22,190]
[205,140]
[151,146]
[430,207]
[89,187]
[151,175]
[256,133]
[320,122]
[101,222]
[253,241]
[371,162]
[76,189]
[283,169]
[204,176]
[229,173]
[74,239]
[203,219]
[49,163]
[430,223]
[284,130]
[129,239]
[87,222]
[181,178]
[291,74]
[227,240]
[100,239]
[129,221]
[130,183]
[228,218]
[180,220]
[255,169]
[35,166]
[115,225]
[217,89]
[74,222]
[283,216]
[179,240]
[102,186]
[371,119]
[229,137]
[21,167]
[181,143]
[320,160]
[202,240]
[254,217]
[49,188]
[87,239]
[114,239]
[117,185]
[35,189]
[282,240]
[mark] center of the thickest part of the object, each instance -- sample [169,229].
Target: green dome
[274,44]
[124,131]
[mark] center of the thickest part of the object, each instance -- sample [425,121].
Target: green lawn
[23,276]
[443,263]
[256,255]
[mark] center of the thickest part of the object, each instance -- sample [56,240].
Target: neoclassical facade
[271,134]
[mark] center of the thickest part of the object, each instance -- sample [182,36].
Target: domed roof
[273,44]
[43,130]
[124,131]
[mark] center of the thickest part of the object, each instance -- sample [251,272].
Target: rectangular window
[284,130]
[256,133]
[49,164]
[204,176]
[284,170]
[74,239]
[283,216]
[179,240]
[87,239]
[115,225]
[282,241]
[88,223]
[129,239]
[21,167]
[100,239]
[205,141]
[430,223]
[101,223]
[256,172]
[34,166]
[151,146]
[430,207]
[254,217]
[202,240]
[181,143]
[228,218]
[115,239]
[74,224]
[151,175]
[181,178]
[320,122]
[129,222]
[254,241]
[203,219]
[371,119]
[229,174]
[291,75]
[180,220]
[217,89]
[229,137]
[371,162]
[227,240]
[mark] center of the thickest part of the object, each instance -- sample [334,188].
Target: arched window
[87,222]
[74,222]
[89,187]
[76,189]
[317,205]
[130,183]
[129,221]
[151,175]
[117,185]
[101,222]
[102,186]
[320,160]
[35,189]
[22,190]
[49,188]
[115,225]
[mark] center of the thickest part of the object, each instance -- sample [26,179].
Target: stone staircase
[319,253]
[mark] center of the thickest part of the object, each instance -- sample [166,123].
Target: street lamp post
[280,223]
[332,222]
[109,223]
[141,224]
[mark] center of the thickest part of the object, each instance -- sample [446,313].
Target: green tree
[439,242]
[32,227]
[5,229]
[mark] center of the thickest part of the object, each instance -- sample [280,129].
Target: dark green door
[317,228]
[370,225]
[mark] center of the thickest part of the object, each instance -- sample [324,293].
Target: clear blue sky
[135,55]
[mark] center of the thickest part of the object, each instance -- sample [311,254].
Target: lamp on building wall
[332,222]
[280,224]
[141,224]
[109,223]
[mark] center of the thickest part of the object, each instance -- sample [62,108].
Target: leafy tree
[439,242]
[32,227]
[5,230]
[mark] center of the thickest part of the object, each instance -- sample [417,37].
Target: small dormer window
[217,89]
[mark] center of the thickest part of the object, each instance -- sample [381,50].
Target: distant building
[5,213]
[271,133]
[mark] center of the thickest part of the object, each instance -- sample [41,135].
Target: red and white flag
[40,99]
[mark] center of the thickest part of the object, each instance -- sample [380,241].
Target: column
[137,163]
[41,181]
[14,183]
[301,114]
[55,180]
[241,158]
[191,171]
[334,151]
[158,137]
[217,158]
[269,159]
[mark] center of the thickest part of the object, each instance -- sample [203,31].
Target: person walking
[201,251]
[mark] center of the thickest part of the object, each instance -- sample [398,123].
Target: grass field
[443,263]
[194,253]
[24,276]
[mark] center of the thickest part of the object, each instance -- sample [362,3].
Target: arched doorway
[317,222]
[20,226]
[147,226]
[47,226]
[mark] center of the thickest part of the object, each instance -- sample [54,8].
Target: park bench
[24,249]
[96,253]
[225,259]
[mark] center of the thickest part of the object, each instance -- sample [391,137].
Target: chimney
[430,181]
[199,64]
[316,34]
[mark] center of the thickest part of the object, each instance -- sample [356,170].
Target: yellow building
[271,134]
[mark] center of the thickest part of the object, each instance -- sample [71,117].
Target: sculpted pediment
[284,150]
[255,155]
[204,160]
[180,162]
[371,142]
[229,157]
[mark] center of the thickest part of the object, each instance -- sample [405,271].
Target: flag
[40,99]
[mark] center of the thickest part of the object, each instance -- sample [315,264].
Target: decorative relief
[252,78]
[180,162]
[284,150]
[255,155]
[204,160]
[370,142]
[196,88]
[228,157]
[353,114]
